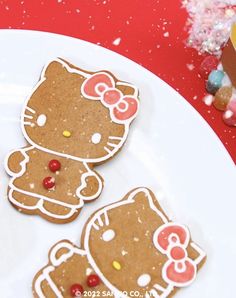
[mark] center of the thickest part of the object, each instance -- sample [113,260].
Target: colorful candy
[230,113]
[116,265]
[214,81]
[66,133]
[54,165]
[222,98]
[76,290]
[49,183]
[93,280]
[208,64]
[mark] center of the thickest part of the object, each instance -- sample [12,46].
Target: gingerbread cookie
[136,250]
[73,121]
[68,274]
[144,251]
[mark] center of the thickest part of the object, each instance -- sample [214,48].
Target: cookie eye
[96,138]
[41,120]
[144,280]
[108,235]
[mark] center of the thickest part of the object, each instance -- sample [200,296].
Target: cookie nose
[66,134]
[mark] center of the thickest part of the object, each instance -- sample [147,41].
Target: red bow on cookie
[101,86]
[172,240]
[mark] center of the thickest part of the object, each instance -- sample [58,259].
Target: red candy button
[54,165]
[49,182]
[76,290]
[93,280]
[208,64]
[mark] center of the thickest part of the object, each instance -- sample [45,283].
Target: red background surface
[151,31]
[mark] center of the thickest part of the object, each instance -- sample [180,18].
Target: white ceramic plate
[170,149]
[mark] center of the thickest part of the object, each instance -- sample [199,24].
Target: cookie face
[73,121]
[79,115]
[144,251]
[68,270]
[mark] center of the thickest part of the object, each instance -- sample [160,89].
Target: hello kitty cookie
[68,274]
[145,252]
[72,121]
[134,248]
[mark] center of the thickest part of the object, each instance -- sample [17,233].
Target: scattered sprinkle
[190,67]
[208,99]
[117,41]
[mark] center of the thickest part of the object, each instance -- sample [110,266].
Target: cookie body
[75,120]
[75,183]
[68,265]
[136,250]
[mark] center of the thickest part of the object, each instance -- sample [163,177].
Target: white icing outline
[86,75]
[45,275]
[83,184]
[41,198]
[94,223]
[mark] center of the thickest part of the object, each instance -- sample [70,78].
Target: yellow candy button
[66,133]
[116,265]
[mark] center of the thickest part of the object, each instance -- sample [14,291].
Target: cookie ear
[127,88]
[141,195]
[55,68]
[147,200]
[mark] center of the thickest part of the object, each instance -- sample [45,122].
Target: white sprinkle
[190,66]
[88,271]
[117,41]
[124,252]
[139,220]
[166,34]
[208,99]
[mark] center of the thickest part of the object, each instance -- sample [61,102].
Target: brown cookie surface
[137,251]
[134,247]
[67,267]
[78,120]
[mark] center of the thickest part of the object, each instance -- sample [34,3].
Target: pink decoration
[172,240]
[101,86]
